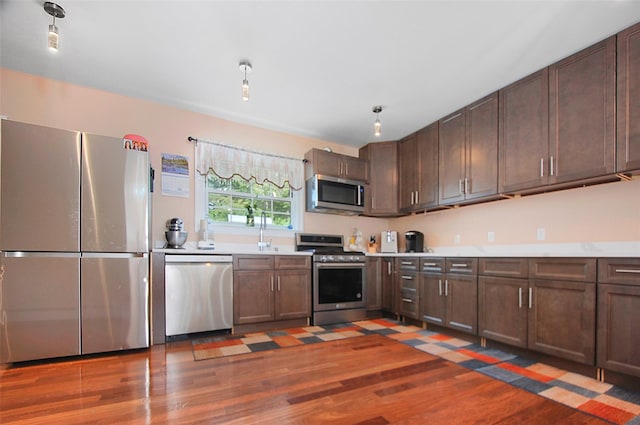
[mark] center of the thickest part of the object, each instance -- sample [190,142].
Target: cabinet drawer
[462,265]
[253,262]
[432,265]
[504,267]
[411,264]
[409,282]
[575,269]
[410,305]
[625,271]
[293,262]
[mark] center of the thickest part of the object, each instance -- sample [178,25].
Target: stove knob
[328,258]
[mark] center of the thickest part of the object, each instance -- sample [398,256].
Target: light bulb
[377,128]
[53,38]
[245,90]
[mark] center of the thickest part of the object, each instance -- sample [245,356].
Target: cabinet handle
[417,202]
[373,202]
[346,168]
[459,266]
[551,166]
[412,193]
[541,167]
[530,297]
[459,186]
[466,185]
[430,264]
[519,297]
[446,288]
[407,300]
[408,277]
[278,283]
[440,287]
[406,263]
[271,279]
[389,268]
[628,271]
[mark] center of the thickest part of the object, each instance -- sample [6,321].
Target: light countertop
[589,249]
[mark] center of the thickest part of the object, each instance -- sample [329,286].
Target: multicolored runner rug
[606,401]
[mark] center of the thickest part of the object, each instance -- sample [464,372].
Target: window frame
[213,227]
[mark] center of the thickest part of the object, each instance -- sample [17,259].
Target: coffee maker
[414,241]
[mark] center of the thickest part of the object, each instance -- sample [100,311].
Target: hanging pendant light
[377,127]
[56,11]
[246,68]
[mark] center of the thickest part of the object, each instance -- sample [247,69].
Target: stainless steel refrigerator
[74,242]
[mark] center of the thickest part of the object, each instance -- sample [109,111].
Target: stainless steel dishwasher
[198,293]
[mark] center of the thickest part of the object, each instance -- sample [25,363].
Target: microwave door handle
[359,196]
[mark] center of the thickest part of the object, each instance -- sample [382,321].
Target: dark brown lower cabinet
[502,309]
[270,288]
[434,303]
[388,285]
[562,319]
[450,299]
[619,315]
[374,283]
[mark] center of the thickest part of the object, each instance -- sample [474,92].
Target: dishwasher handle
[179,258]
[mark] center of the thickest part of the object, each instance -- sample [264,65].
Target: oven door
[338,286]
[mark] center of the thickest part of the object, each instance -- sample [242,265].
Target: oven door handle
[340,265]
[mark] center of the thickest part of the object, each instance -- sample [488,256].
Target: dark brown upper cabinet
[582,114]
[468,153]
[628,147]
[558,124]
[418,170]
[382,160]
[524,133]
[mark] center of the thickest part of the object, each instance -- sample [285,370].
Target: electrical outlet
[456,239]
[491,236]
[540,234]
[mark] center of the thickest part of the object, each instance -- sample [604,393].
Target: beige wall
[603,213]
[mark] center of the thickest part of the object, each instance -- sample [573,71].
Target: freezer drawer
[198,293]
[39,306]
[115,300]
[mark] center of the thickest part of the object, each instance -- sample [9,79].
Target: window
[231,200]
[233,182]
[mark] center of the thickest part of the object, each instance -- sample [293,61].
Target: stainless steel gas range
[339,279]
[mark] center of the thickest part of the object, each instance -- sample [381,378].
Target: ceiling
[318,66]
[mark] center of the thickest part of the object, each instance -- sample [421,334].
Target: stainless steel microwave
[328,194]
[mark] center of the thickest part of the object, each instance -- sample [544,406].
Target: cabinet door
[628,113]
[407,166]
[481,176]
[374,283]
[326,163]
[293,294]
[524,133]
[461,293]
[354,168]
[387,280]
[432,299]
[451,167]
[502,309]
[618,332]
[582,113]
[427,166]
[253,296]
[383,178]
[562,319]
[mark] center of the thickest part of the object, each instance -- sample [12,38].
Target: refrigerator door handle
[25,254]
[114,255]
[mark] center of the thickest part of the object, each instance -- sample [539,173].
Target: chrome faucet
[263,226]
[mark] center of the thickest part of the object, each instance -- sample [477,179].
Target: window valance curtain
[227,161]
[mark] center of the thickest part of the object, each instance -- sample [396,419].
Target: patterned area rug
[611,403]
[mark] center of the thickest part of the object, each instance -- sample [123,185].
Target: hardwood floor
[363,380]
